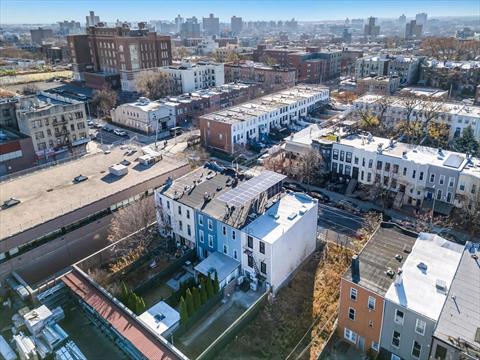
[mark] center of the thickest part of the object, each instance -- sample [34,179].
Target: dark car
[108,128]
[294,187]
[9,203]
[319,196]
[80,178]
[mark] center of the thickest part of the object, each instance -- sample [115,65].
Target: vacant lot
[301,317]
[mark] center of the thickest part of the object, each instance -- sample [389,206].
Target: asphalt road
[65,251]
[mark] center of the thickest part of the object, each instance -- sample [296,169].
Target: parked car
[120,132]
[98,125]
[108,128]
[294,187]
[349,206]
[262,158]
[319,196]
[90,123]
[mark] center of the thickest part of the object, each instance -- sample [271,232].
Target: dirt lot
[310,298]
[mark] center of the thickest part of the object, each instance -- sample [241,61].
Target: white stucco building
[188,77]
[277,242]
[145,116]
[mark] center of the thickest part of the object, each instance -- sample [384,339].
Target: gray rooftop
[460,316]
[378,256]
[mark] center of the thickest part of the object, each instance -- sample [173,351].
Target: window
[353,293]
[200,236]
[369,177]
[350,335]
[414,173]
[250,261]
[432,178]
[342,155]
[420,327]
[421,176]
[387,166]
[179,210]
[210,240]
[348,157]
[396,339]
[200,219]
[441,181]
[235,254]
[250,242]
[261,246]
[375,345]
[404,171]
[371,303]
[210,224]
[348,169]
[335,154]
[189,230]
[395,168]
[416,350]
[440,353]
[395,357]
[370,163]
[398,317]
[188,214]
[451,182]
[180,225]
[379,165]
[225,249]
[234,235]
[263,267]
[355,160]
[351,313]
[370,323]
[224,230]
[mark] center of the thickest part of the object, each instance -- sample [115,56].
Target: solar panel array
[251,189]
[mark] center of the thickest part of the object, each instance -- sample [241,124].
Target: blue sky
[49,11]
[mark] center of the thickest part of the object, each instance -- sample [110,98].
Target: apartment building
[8,115]
[187,77]
[248,223]
[236,25]
[269,78]
[121,51]
[55,123]
[40,34]
[380,85]
[456,333]
[415,299]
[16,151]
[190,28]
[455,76]
[413,30]
[232,129]
[81,59]
[312,64]
[143,115]
[211,25]
[371,29]
[415,175]
[364,285]
[457,116]
[468,189]
[406,68]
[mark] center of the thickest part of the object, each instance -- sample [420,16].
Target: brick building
[16,151]
[380,85]
[119,50]
[269,78]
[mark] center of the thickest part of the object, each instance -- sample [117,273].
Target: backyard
[299,320]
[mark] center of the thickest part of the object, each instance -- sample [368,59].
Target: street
[338,220]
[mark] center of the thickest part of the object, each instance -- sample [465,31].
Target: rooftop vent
[407,249]
[390,273]
[441,286]
[275,216]
[398,257]
[422,266]
[292,216]
[302,210]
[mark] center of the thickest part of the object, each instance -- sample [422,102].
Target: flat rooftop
[419,289]
[417,154]
[378,256]
[265,104]
[50,193]
[160,317]
[460,316]
[281,216]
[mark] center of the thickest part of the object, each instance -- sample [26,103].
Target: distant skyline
[51,11]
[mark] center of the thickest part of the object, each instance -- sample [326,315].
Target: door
[355,173]
[361,343]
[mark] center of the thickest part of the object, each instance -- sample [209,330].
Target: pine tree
[196,298]
[203,292]
[189,301]
[183,311]
[216,285]
[466,143]
[209,287]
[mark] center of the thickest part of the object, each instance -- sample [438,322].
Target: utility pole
[156,130]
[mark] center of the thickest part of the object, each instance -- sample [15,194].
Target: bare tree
[29,89]
[268,60]
[104,101]
[134,220]
[180,52]
[309,167]
[153,84]
[443,48]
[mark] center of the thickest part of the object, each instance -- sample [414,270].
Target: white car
[120,132]
[262,158]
